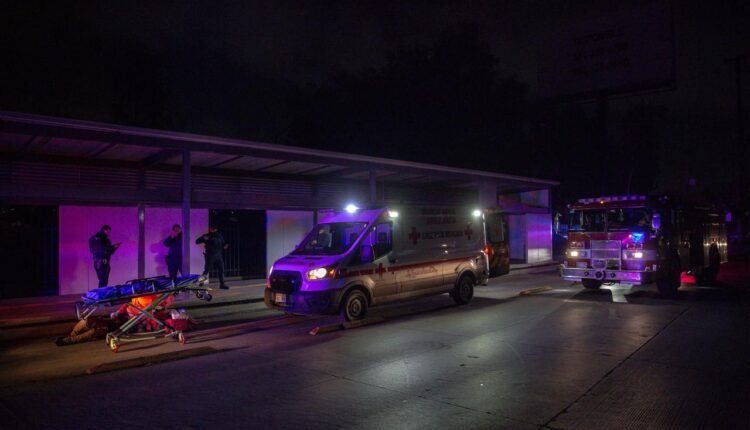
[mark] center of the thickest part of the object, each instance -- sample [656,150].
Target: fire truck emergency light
[351,208]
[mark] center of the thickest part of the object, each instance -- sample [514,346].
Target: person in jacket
[92,327]
[102,249]
[214,253]
[714,259]
[174,255]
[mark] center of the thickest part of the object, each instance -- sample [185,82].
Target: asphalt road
[564,358]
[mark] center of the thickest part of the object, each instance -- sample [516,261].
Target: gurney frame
[122,335]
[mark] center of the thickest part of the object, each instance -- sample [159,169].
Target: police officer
[102,249]
[215,246]
[174,255]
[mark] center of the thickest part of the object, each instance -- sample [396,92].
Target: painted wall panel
[77,224]
[539,231]
[285,229]
[158,224]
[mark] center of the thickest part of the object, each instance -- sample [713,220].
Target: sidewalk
[50,316]
[540,267]
[51,310]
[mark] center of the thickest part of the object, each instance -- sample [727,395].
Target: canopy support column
[186,187]
[373,187]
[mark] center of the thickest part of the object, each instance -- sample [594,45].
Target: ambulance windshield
[330,239]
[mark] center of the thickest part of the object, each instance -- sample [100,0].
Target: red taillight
[268,282]
[488,250]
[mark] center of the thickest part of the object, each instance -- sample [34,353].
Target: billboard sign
[627,50]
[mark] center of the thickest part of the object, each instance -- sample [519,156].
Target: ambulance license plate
[279,298]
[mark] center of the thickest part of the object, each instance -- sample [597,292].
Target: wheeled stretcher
[161,287]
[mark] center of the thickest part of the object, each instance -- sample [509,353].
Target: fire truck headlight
[638,254]
[574,253]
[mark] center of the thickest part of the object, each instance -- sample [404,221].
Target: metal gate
[245,233]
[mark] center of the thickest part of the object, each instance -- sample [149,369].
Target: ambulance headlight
[477,213]
[574,253]
[351,208]
[637,254]
[321,273]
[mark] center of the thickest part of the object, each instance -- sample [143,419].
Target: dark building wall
[28,255]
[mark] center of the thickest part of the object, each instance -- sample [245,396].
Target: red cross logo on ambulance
[380,270]
[468,232]
[414,235]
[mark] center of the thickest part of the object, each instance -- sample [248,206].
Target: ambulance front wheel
[464,290]
[354,306]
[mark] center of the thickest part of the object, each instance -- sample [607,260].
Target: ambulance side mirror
[365,254]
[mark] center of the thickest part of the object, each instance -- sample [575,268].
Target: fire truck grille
[608,249]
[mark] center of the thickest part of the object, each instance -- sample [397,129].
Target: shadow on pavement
[648,295]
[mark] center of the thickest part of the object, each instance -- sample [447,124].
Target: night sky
[444,82]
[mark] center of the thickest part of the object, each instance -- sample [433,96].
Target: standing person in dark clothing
[102,249]
[174,255]
[714,259]
[215,246]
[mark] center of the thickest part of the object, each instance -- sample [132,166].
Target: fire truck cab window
[628,218]
[593,220]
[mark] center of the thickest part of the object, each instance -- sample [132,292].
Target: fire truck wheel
[464,290]
[591,284]
[355,306]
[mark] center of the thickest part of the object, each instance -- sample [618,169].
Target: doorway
[28,256]
[245,233]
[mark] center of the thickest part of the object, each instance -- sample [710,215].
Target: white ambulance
[360,258]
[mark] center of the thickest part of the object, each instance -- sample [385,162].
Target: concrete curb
[347,325]
[534,291]
[20,323]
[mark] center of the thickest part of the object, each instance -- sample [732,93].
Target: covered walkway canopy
[57,161]
[74,161]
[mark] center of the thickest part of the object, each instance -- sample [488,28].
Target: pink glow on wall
[284,230]
[77,224]
[158,223]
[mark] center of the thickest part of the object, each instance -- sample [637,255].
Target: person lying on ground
[91,328]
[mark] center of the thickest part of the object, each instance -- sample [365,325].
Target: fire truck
[638,240]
